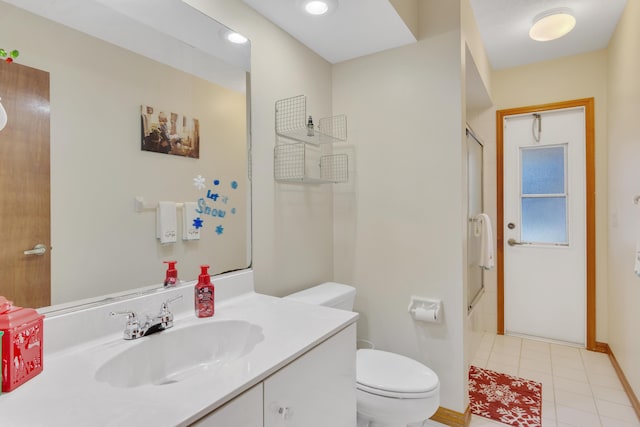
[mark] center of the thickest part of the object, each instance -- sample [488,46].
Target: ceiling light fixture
[236,38]
[228,35]
[318,7]
[552,24]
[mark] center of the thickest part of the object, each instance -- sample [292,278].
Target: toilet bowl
[391,390]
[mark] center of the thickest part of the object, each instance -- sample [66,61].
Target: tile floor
[579,388]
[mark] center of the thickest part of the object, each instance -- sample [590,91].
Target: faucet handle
[164,308]
[166,316]
[131,315]
[132,328]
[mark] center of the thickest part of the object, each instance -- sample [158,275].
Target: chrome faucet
[163,320]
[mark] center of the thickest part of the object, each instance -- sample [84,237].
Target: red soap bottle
[204,294]
[171,278]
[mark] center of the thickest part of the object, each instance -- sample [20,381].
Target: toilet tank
[329,294]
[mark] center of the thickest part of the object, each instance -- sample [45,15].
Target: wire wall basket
[334,168]
[291,123]
[335,126]
[299,162]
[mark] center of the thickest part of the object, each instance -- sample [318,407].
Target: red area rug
[505,398]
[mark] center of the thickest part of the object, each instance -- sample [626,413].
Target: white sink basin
[180,353]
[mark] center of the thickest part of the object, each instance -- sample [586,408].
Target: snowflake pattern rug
[505,398]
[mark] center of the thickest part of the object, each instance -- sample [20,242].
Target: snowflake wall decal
[198,181]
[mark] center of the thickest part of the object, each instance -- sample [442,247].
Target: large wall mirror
[120,73]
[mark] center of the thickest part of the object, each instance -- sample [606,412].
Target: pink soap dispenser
[204,294]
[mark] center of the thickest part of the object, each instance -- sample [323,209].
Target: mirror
[115,68]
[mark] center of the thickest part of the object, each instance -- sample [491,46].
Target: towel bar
[140,205]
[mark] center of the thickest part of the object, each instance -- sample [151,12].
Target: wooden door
[24,186]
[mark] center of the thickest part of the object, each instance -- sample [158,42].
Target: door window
[543,197]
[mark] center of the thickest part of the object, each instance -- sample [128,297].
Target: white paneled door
[545,225]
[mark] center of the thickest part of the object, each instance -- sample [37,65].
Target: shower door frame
[471,222]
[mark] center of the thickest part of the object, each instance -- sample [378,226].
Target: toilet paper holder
[425,309]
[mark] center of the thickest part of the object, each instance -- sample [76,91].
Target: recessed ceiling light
[318,7]
[552,25]
[236,38]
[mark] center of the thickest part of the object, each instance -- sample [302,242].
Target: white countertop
[67,394]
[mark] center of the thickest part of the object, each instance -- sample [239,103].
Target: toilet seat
[393,375]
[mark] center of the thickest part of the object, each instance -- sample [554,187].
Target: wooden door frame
[588,104]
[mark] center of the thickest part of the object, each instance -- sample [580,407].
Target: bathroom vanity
[260,361]
[310,391]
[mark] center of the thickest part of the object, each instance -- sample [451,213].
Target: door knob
[38,249]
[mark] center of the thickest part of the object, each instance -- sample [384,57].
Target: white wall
[579,76]
[473,40]
[399,228]
[624,183]
[477,101]
[292,224]
[398,223]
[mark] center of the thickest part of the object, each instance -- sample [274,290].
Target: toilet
[391,390]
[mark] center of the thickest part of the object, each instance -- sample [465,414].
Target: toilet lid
[390,374]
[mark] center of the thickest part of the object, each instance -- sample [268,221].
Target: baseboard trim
[601,347]
[635,403]
[452,418]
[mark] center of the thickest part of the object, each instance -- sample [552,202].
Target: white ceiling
[355,28]
[185,38]
[504,27]
[361,27]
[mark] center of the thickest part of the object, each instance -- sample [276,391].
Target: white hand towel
[189,214]
[166,222]
[487,261]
